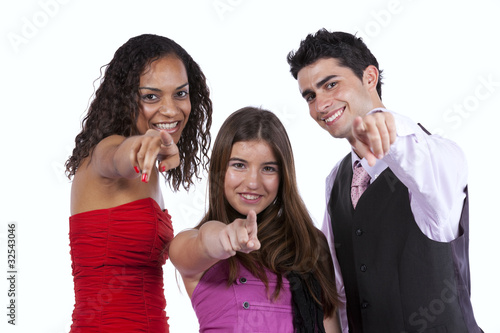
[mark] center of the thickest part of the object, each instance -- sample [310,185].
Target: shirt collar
[373,171]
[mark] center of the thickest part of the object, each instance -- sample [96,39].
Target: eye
[270,169]
[149,97]
[331,84]
[182,94]
[237,165]
[310,97]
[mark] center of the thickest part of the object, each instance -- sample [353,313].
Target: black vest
[396,278]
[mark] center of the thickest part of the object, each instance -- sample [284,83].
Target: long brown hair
[115,108]
[289,240]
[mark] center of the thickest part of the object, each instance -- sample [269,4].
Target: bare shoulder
[90,190]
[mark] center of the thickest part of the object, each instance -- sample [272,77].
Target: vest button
[363,268]
[364,305]
[246,305]
[243,280]
[359,232]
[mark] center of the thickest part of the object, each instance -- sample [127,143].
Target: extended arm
[120,157]
[433,169]
[194,251]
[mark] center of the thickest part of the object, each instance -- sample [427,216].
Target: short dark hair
[349,50]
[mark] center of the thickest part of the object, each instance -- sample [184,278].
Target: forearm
[113,157]
[429,167]
[434,170]
[119,157]
[125,158]
[194,251]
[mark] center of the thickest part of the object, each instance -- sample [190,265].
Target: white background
[440,61]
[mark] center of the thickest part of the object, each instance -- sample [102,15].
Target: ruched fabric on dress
[117,256]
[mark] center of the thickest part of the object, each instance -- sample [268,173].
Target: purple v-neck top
[245,306]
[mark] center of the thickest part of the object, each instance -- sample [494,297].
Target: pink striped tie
[360,181]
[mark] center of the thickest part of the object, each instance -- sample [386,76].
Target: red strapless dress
[117,255]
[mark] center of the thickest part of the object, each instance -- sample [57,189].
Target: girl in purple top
[256,263]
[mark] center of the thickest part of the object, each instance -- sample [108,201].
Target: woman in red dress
[150,115]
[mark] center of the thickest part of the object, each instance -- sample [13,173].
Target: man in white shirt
[400,250]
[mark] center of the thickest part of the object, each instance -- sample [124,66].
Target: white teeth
[334,116]
[167,126]
[249,196]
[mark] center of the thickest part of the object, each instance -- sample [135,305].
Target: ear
[370,77]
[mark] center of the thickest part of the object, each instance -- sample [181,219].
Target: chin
[245,211]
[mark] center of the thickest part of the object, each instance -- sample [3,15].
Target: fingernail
[163,168]
[144,177]
[137,169]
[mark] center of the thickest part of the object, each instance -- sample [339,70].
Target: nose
[323,102]
[252,179]
[168,107]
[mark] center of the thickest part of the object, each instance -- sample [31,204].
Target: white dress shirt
[433,169]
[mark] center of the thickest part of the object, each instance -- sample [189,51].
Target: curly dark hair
[349,50]
[115,107]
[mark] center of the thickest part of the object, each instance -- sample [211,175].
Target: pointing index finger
[359,127]
[251,219]
[166,139]
[251,226]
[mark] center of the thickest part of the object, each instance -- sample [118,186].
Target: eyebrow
[242,160]
[156,89]
[319,84]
